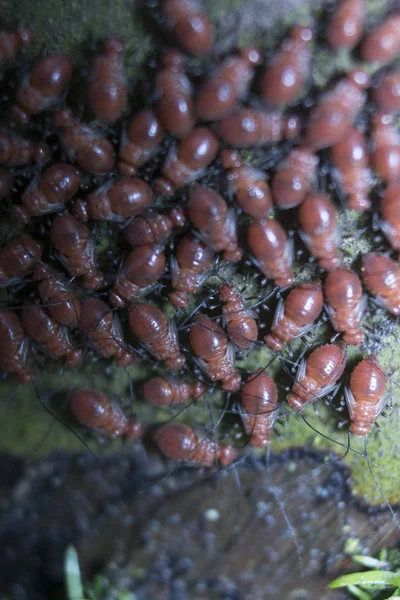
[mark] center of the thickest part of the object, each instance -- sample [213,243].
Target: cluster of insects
[226,168]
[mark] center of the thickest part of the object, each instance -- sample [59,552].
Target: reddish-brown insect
[140,142]
[317,376]
[249,185]
[52,337]
[115,202]
[346,25]
[13,349]
[259,402]
[319,230]
[72,241]
[86,146]
[245,127]
[385,151]
[345,304]
[15,151]
[390,211]
[103,328]
[386,94]
[11,42]
[167,391]
[295,315]
[153,227]
[240,321]
[188,268]
[383,43]
[272,250]
[149,325]
[181,442]
[108,93]
[190,25]
[63,304]
[294,178]
[187,162]
[58,184]
[215,356]
[209,213]
[366,397]
[44,87]
[18,258]
[381,277]
[352,172]
[284,77]
[217,96]
[331,119]
[143,267]
[6,183]
[94,410]
[174,91]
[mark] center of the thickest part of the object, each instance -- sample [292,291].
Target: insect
[168,391]
[94,410]
[295,315]
[209,213]
[249,185]
[284,77]
[13,348]
[218,95]
[346,25]
[76,250]
[18,258]
[153,227]
[317,375]
[15,151]
[52,337]
[390,211]
[149,325]
[188,267]
[86,146]
[245,127]
[259,400]
[6,183]
[381,276]
[294,178]
[115,201]
[140,142]
[181,442]
[103,328]
[381,45]
[240,321]
[345,304]
[190,25]
[386,94]
[174,106]
[187,162]
[215,356]
[47,82]
[366,397]
[332,117]
[142,268]
[385,150]
[63,304]
[58,184]
[319,230]
[108,93]
[351,163]
[272,250]
[11,42]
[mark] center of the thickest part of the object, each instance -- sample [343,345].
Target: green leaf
[370,562]
[360,594]
[367,579]
[73,581]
